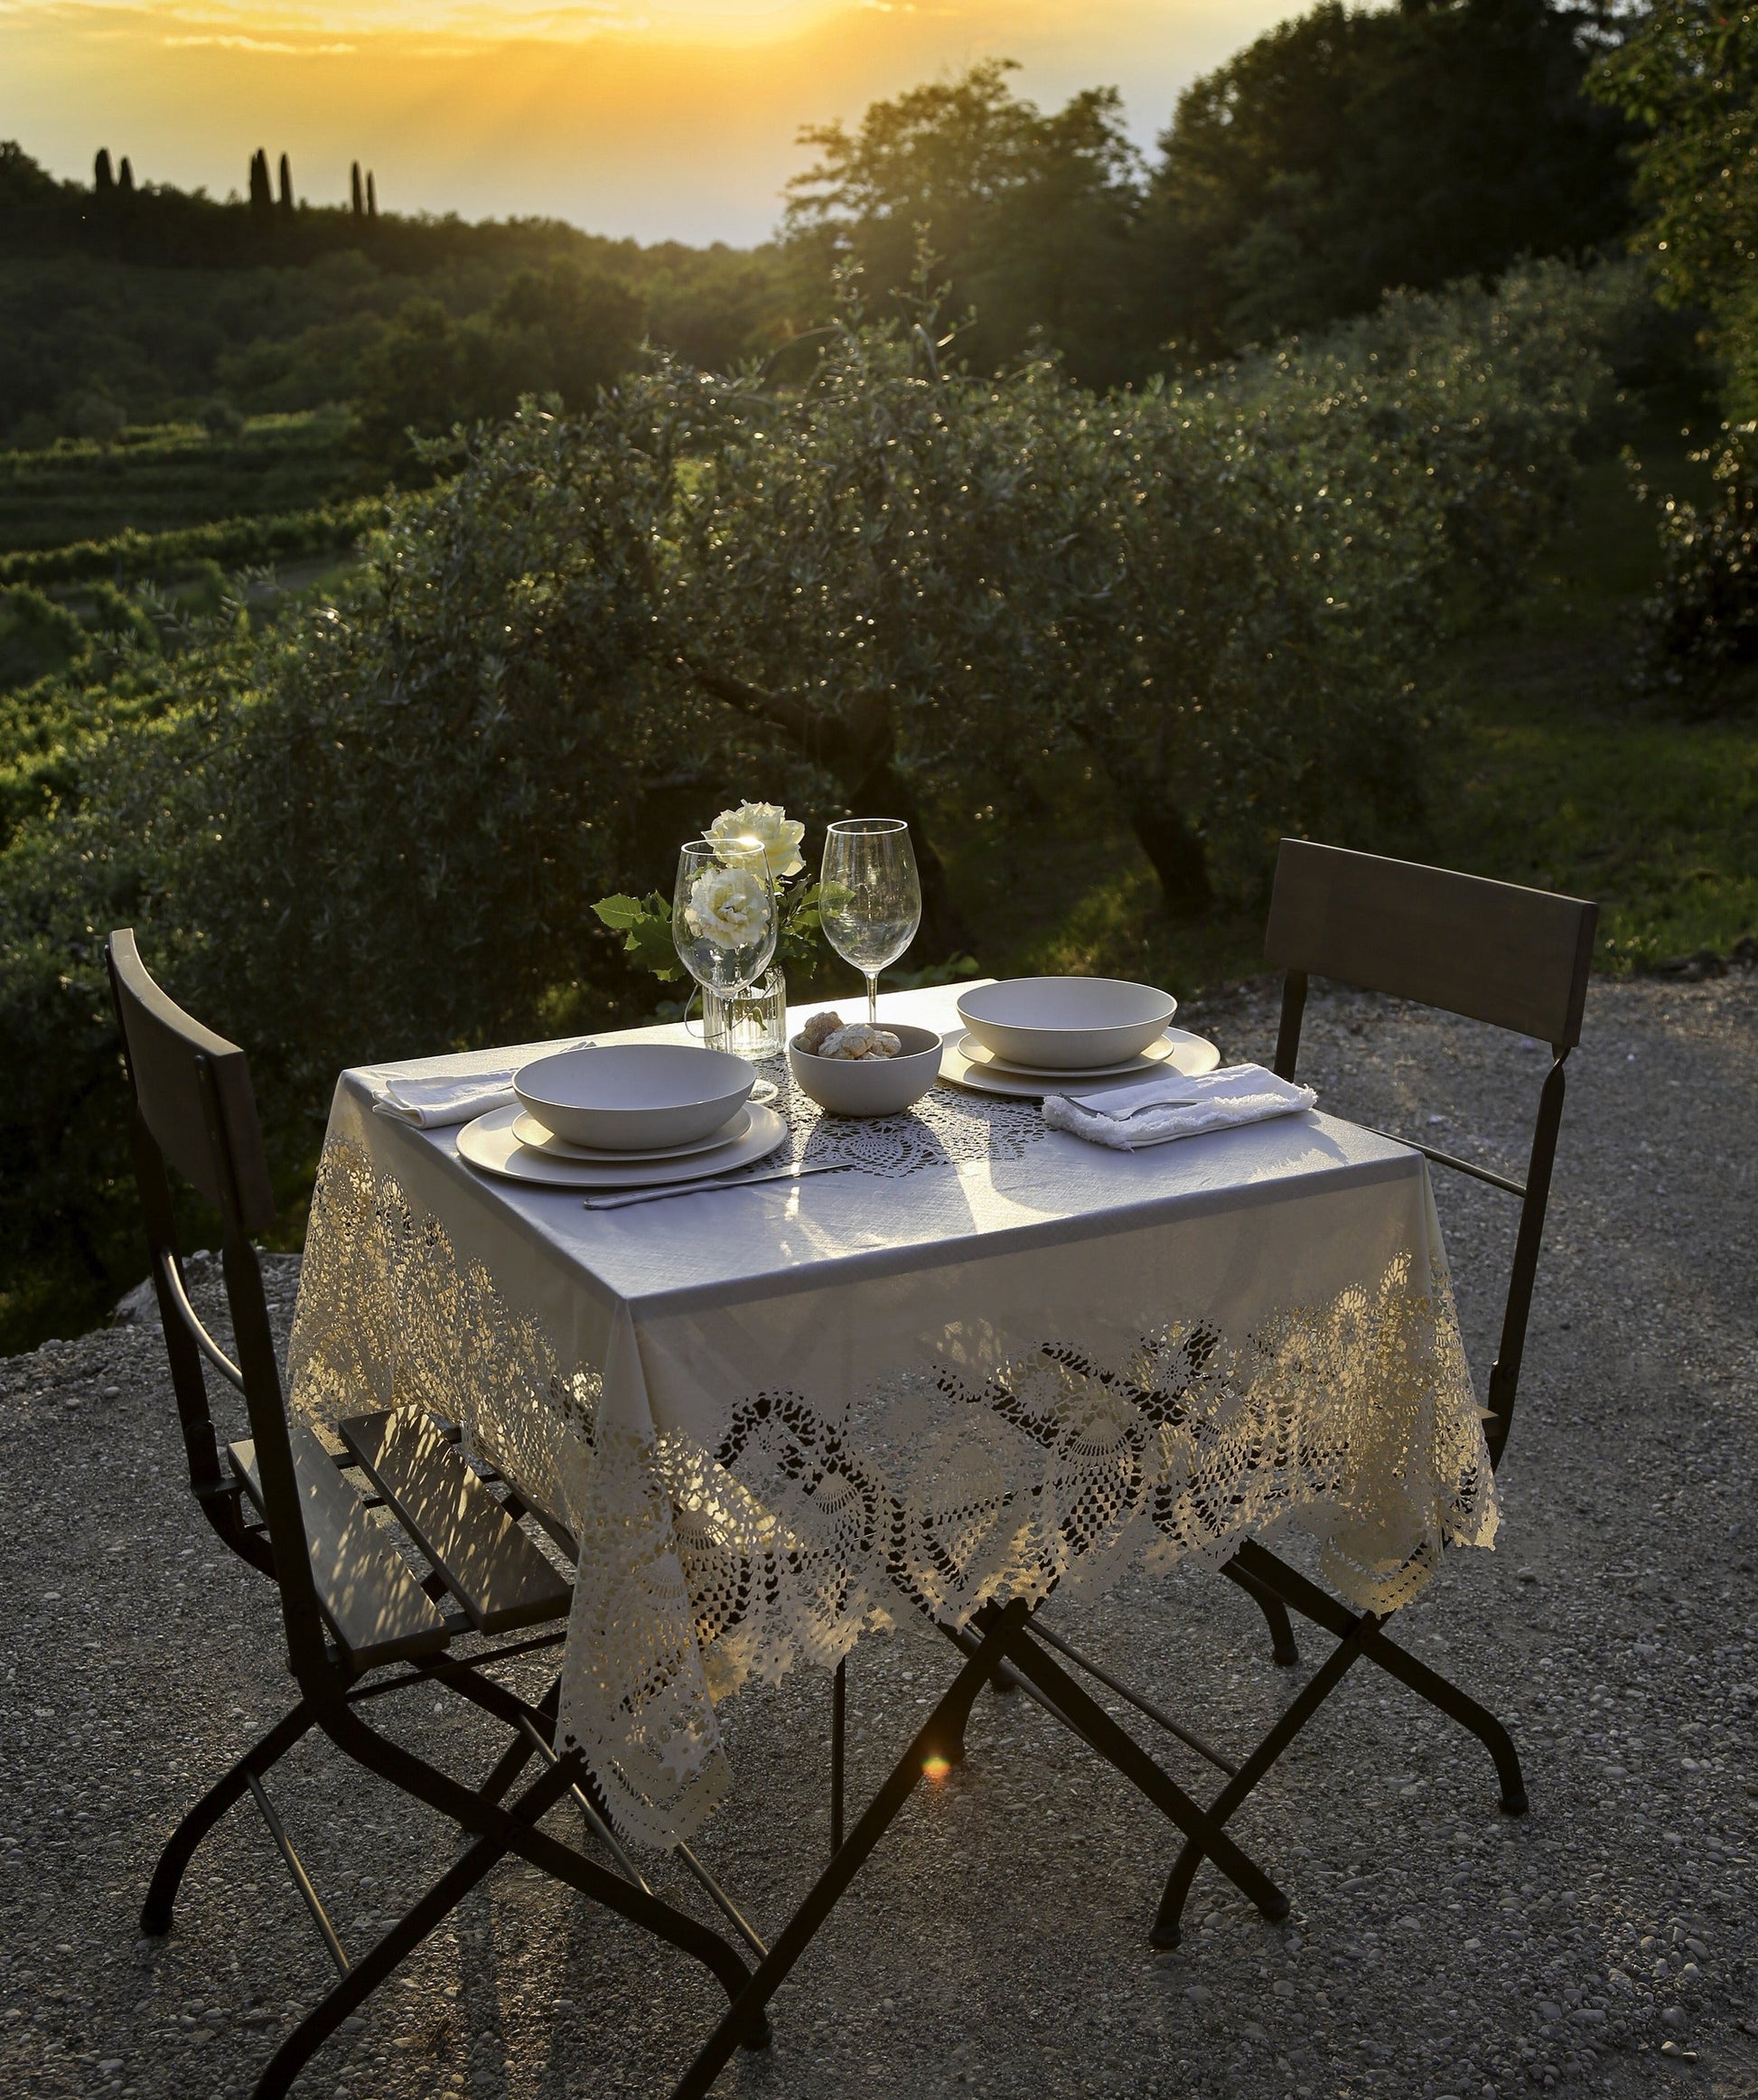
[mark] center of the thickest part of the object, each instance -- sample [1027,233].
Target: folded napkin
[433,1103]
[479,1081]
[1169,1105]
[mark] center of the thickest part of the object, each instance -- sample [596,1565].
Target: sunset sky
[652,117]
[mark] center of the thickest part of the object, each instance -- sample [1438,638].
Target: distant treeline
[1343,152]
[122,218]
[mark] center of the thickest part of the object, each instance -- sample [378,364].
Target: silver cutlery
[616,1203]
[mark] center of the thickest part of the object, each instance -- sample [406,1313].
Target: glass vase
[754,1024]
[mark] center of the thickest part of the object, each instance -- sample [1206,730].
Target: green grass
[1566,788]
[1555,773]
[1565,779]
[174,475]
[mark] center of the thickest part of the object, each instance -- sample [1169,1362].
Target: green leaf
[800,926]
[620,913]
[650,945]
[647,924]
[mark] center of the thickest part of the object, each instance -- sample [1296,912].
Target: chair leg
[414,1776]
[1314,1603]
[1275,1613]
[1459,1706]
[181,1846]
[407,1934]
[519,1752]
[1359,1635]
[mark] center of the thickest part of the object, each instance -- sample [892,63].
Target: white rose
[761,826]
[729,907]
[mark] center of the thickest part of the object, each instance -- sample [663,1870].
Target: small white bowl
[870,1086]
[635,1097]
[1066,1024]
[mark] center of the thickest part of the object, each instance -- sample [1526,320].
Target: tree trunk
[1175,851]
[856,749]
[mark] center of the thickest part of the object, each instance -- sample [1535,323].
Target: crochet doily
[943,1128]
[707,1562]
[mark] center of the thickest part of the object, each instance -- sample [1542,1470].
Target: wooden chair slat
[497,1575]
[163,1042]
[1515,957]
[377,1609]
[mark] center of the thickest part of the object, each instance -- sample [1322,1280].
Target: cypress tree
[262,202]
[371,196]
[354,184]
[287,187]
[102,180]
[125,179]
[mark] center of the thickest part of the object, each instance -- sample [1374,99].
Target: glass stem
[872,977]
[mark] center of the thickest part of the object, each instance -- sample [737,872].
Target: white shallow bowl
[870,1086]
[1066,1024]
[635,1097]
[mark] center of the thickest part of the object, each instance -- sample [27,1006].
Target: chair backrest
[193,1110]
[192,1088]
[1517,958]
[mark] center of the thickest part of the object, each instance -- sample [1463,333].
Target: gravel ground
[996,1943]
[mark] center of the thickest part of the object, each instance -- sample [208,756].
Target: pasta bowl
[635,1097]
[1066,1024]
[870,1086]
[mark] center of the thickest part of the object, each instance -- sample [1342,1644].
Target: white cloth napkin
[479,1081]
[431,1104]
[1169,1105]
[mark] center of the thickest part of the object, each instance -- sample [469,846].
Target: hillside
[163,478]
[115,314]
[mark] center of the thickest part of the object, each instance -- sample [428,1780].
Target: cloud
[195,42]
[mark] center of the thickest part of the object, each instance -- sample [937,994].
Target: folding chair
[360,1623]
[1515,959]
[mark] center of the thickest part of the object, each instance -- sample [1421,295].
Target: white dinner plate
[1188,1054]
[531,1133]
[489,1144]
[1143,1064]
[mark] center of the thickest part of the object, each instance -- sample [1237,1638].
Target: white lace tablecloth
[988,1361]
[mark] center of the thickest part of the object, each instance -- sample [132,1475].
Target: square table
[986,1361]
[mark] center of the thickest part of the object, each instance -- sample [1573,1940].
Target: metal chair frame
[194,1111]
[1512,958]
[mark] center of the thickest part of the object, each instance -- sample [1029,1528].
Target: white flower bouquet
[724,899]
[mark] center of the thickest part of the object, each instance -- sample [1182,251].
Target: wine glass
[723,916]
[870,905]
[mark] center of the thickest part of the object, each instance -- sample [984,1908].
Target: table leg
[847,1862]
[839,1725]
[1125,1754]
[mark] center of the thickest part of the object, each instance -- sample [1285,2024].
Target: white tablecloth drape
[995,1362]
